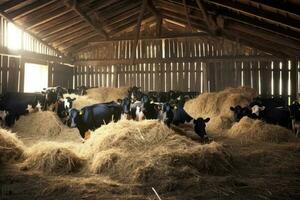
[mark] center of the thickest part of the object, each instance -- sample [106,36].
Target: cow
[295,117]
[17,104]
[240,112]
[64,105]
[80,90]
[199,127]
[93,117]
[268,103]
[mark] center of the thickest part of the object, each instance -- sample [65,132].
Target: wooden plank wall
[60,75]
[11,70]
[276,77]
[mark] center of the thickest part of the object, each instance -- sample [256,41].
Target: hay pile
[149,152]
[52,158]
[216,105]
[11,148]
[248,129]
[98,95]
[41,124]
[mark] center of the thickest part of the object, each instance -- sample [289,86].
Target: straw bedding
[11,148]
[52,158]
[148,151]
[248,129]
[43,124]
[216,105]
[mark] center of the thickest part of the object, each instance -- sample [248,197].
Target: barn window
[14,37]
[36,77]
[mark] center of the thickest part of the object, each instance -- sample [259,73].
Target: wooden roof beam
[30,9]
[48,17]
[211,25]
[71,37]
[157,15]
[138,28]
[264,34]
[10,4]
[82,40]
[280,5]
[255,12]
[73,5]
[100,5]
[259,24]
[68,31]
[61,27]
[261,41]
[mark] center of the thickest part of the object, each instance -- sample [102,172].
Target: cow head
[73,117]
[256,109]
[199,126]
[68,102]
[239,112]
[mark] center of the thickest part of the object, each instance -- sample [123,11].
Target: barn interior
[226,52]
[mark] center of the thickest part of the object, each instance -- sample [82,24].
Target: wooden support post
[294,80]
[285,76]
[138,28]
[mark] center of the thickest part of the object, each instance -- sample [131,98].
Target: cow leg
[87,135]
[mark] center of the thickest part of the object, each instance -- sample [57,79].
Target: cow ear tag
[80,113]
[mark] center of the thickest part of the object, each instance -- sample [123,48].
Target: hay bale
[248,129]
[11,148]
[210,158]
[52,158]
[131,151]
[216,105]
[105,162]
[39,124]
[98,95]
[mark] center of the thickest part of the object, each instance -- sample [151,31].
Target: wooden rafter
[138,28]
[210,23]
[187,15]
[259,24]
[30,8]
[280,5]
[48,17]
[10,4]
[274,18]
[101,5]
[60,27]
[157,15]
[86,18]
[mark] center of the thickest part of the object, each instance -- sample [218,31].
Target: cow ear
[81,112]
[207,120]
[73,99]
[232,108]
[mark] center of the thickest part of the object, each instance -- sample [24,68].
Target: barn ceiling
[271,26]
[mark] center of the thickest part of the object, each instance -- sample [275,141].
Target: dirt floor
[252,169]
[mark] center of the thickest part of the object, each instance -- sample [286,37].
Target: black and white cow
[199,127]
[240,112]
[64,105]
[295,117]
[16,104]
[92,117]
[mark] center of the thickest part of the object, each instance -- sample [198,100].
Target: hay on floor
[130,151]
[52,158]
[216,105]
[11,148]
[248,129]
[42,124]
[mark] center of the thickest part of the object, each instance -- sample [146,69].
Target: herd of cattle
[164,106]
